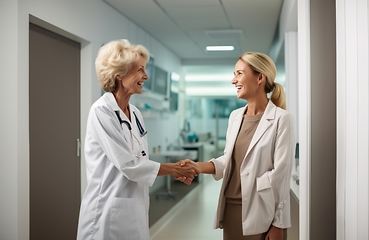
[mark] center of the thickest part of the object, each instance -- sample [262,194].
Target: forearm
[206,167]
[166,169]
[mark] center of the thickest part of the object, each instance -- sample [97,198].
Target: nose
[145,76]
[234,81]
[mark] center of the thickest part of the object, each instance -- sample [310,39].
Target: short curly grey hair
[115,58]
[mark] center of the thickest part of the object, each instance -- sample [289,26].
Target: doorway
[54,123]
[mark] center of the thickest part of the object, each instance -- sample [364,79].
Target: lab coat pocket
[265,191]
[124,223]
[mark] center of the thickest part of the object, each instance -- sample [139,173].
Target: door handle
[78,147]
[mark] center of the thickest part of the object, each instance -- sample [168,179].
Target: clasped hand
[187,164]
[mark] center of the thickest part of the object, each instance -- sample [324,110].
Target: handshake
[186,170]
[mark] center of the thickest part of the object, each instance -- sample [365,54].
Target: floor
[161,203]
[191,214]
[192,217]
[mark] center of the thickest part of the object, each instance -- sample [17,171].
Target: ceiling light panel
[220,48]
[208,77]
[211,91]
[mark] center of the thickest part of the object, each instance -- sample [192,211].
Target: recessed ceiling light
[211,91]
[219,48]
[208,77]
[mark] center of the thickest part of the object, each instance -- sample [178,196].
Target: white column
[14,161]
[291,66]
[291,63]
[352,119]
[317,118]
[304,80]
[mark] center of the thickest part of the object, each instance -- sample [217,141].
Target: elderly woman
[119,173]
[254,201]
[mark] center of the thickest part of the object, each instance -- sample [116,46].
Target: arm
[177,170]
[281,173]
[206,167]
[216,165]
[203,167]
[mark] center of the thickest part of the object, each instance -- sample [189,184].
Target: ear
[118,77]
[261,78]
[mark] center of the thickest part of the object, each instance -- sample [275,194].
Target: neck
[256,107]
[123,102]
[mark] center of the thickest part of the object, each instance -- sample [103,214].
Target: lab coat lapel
[265,122]
[235,129]
[111,102]
[113,106]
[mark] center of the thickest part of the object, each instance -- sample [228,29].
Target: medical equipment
[140,128]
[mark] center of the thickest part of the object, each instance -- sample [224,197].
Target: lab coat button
[247,174]
[245,199]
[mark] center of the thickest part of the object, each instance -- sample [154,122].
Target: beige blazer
[265,171]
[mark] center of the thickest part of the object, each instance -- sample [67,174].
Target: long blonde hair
[262,63]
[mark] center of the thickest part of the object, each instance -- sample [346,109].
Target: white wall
[352,119]
[91,22]
[9,127]
[304,82]
[291,61]
[287,23]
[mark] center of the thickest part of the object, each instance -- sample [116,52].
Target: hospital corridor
[105,102]
[193,216]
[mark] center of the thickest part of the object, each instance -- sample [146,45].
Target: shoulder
[274,112]
[102,106]
[100,102]
[282,113]
[237,112]
[284,118]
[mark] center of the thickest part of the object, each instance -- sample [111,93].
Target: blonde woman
[119,172]
[254,201]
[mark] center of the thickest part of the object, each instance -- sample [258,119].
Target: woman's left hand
[275,233]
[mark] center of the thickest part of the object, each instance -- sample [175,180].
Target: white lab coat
[116,201]
[265,171]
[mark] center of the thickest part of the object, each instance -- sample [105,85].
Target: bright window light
[219,48]
[174,76]
[211,91]
[209,77]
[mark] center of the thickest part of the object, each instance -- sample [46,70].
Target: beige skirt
[232,225]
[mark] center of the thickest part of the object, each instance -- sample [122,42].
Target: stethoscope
[140,128]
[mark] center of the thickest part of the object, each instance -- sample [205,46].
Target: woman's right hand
[185,164]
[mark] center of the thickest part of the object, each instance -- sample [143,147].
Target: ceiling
[186,27]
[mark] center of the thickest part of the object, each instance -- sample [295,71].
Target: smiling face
[134,80]
[248,83]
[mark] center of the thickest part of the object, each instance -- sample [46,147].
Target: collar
[113,105]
